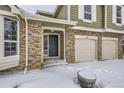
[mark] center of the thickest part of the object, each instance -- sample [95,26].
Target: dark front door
[53,45]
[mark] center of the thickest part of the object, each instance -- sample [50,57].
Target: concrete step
[57,62]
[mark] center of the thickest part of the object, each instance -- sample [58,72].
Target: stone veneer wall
[35,37]
[70,43]
[35,33]
[22,45]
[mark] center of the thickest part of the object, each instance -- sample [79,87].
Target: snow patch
[109,73]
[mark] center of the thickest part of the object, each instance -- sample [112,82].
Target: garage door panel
[109,49]
[85,49]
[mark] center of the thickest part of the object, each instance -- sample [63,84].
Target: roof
[45,18]
[54,14]
[45,13]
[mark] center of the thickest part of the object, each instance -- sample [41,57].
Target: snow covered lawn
[108,74]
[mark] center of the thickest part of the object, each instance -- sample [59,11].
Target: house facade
[72,33]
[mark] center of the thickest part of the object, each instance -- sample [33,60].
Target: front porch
[53,46]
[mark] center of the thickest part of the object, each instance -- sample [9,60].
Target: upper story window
[10,37]
[118,14]
[88,12]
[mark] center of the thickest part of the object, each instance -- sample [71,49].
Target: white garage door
[109,48]
[85,49]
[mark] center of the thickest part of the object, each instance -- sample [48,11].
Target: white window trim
[122,15]
[17,41]
[114,18]
[88,20]
[81,14]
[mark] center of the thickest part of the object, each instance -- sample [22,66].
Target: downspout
[26,62]
[105,23]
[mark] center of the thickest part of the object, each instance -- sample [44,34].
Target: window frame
[119,24]
[11,41]
[88,20]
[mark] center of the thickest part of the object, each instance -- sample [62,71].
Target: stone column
[99,48]
[70,46]
[35,34]
[120,40]
[22,55]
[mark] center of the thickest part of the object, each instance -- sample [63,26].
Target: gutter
[52,20]
[26,62]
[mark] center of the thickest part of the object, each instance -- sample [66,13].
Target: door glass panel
[45,44]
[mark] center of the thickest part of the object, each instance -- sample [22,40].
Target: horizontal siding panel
[99,17]
[8,65]
[74,12]
[5,7]
[8,62]
[109,20]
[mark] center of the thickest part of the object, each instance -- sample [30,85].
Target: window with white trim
[88,12]
[10,37]
[119,14]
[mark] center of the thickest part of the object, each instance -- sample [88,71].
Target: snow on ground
[108,74]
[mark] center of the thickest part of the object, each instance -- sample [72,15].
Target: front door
[51,45]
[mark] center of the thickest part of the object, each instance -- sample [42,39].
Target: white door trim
[95,38]
[48,34]
[52,29]
[116,44]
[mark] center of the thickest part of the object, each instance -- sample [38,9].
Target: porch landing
[54,62]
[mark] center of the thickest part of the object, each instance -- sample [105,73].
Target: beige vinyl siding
[5,7]
[8,62]
[63,13]
[109,18]
[99,17]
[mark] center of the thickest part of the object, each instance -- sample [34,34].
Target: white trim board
[97,30]
[6,13]
[114,31]
[108,38]
[68,12]
[46,19]
[83,36]
[53,28]
[48,34]
[53,20]
[86,29]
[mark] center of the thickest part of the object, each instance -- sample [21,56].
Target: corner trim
[68,12]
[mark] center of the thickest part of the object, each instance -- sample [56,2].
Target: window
[87,12]
[118,14]
[10,37]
